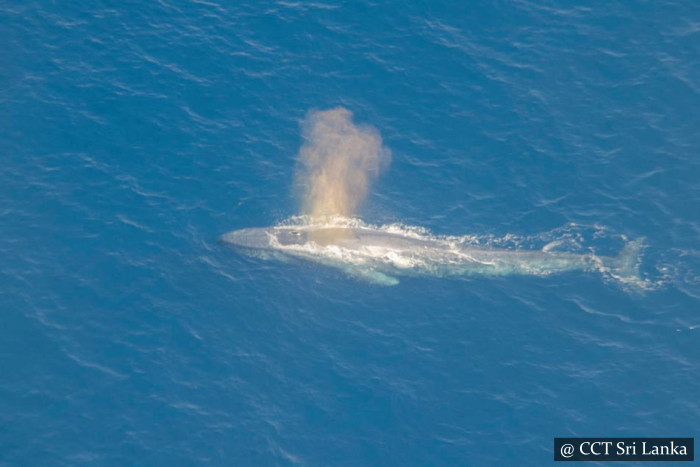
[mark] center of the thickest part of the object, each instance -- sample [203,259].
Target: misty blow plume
[337,163]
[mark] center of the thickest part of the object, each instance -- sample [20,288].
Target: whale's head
[264,238]
[275,238]
[258,239]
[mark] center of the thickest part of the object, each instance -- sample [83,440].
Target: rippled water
[135,134]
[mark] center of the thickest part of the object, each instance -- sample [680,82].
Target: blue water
[134,134]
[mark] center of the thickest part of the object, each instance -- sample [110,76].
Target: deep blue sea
[134,134]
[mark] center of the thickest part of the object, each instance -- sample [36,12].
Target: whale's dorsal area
[331,236]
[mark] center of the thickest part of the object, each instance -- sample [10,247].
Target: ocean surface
[134,134]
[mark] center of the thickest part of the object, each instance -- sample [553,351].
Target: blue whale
[380,254]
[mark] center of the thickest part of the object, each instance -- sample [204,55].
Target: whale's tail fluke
[625,266]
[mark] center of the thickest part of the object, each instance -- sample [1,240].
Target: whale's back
[356,238]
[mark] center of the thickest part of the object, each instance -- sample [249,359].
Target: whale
[380,255]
